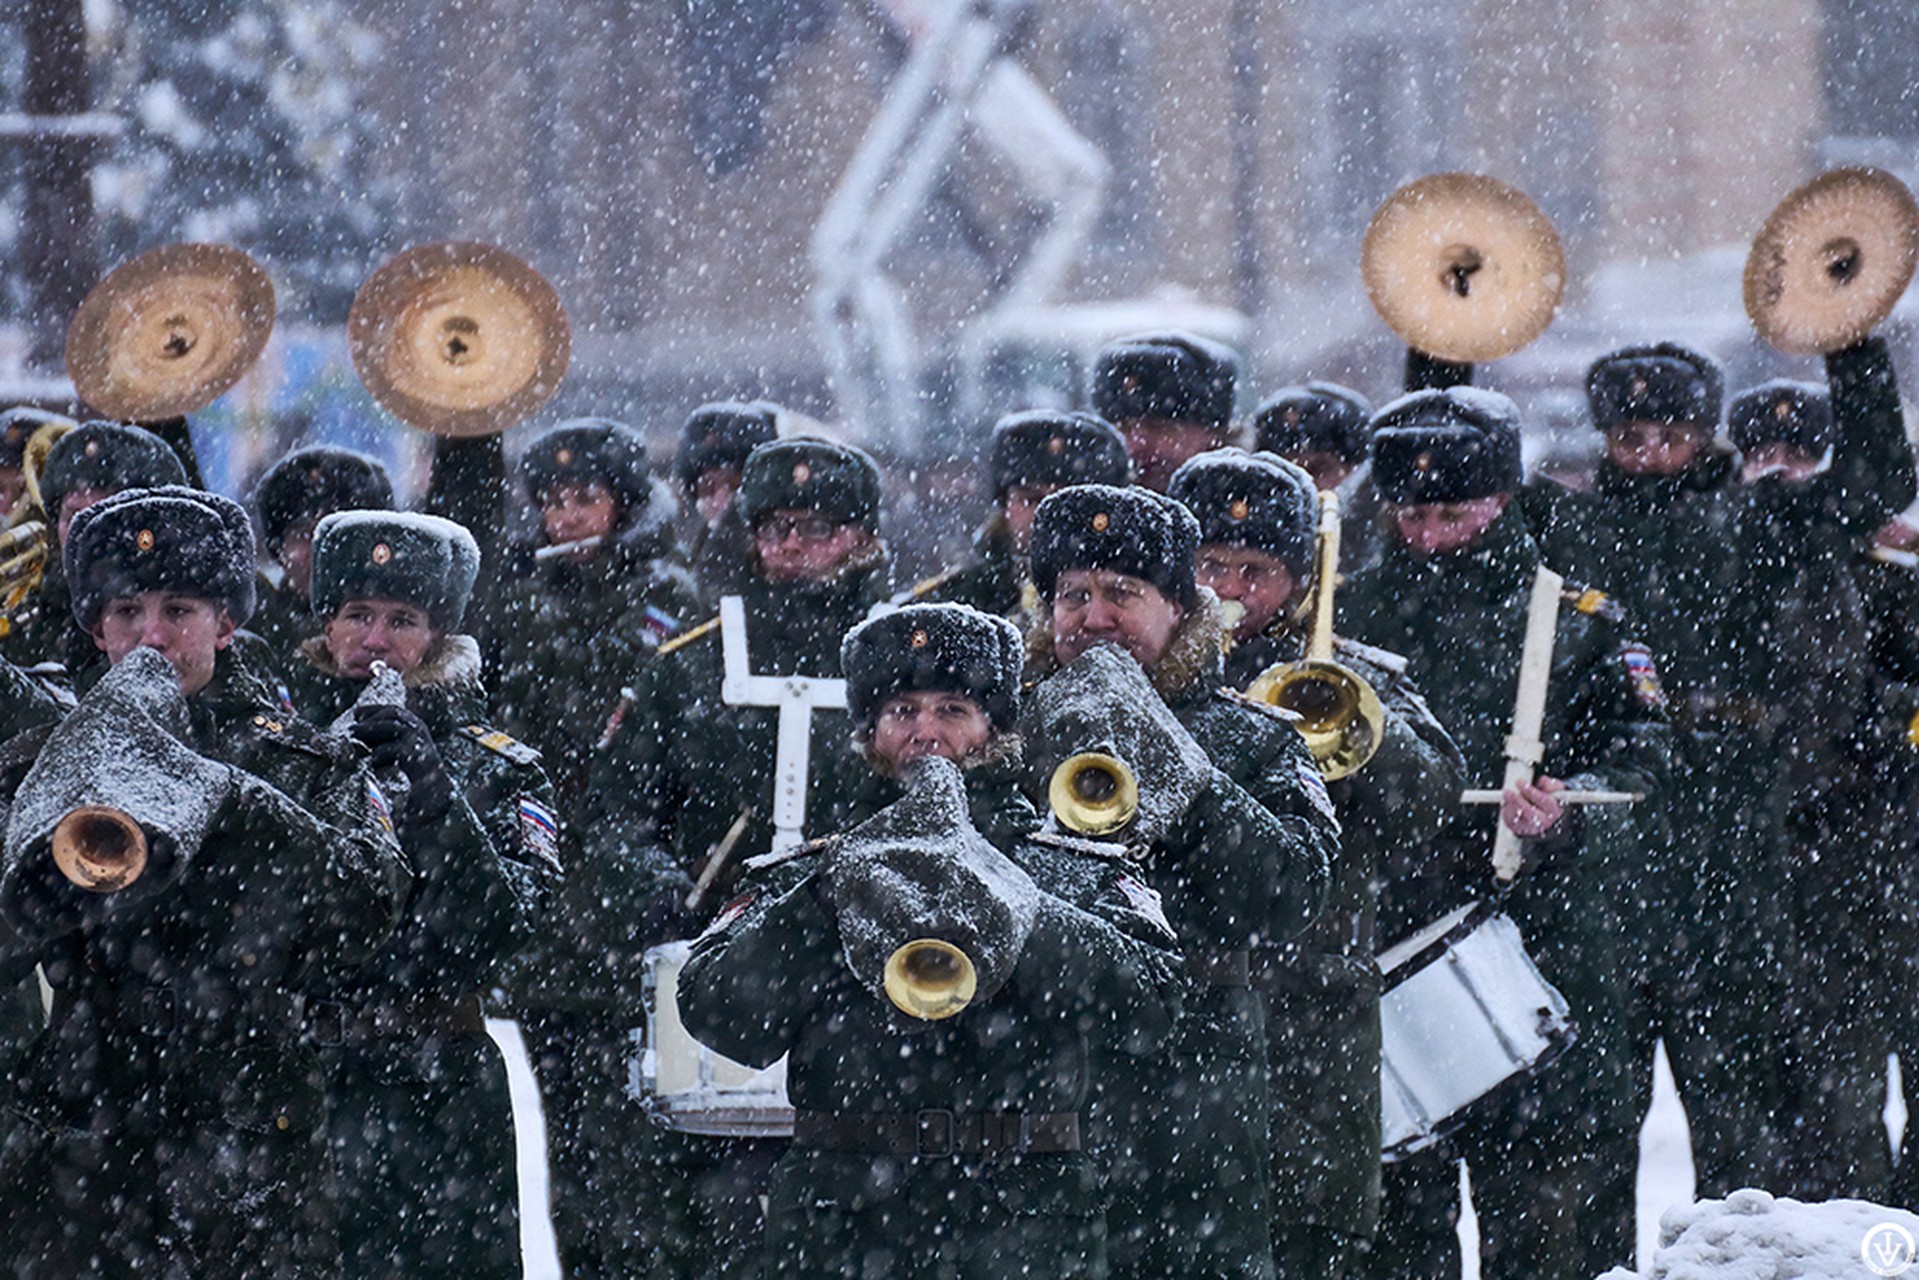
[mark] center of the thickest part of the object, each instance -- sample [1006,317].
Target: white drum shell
[1458,1023]
[689,1087]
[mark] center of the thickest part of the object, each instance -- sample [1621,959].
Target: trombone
[1339,714]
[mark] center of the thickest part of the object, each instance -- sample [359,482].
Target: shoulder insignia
[657,626]
[502,744]
[1589,600]
[1643,674]
[812,848]
[289,730]
[377,805]
[614,721]
[1277,713]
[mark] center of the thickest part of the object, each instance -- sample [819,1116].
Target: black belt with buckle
[937,1132]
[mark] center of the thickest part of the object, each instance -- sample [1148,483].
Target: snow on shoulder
[1752,1236]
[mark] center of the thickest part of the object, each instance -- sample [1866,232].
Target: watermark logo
[1889,1250]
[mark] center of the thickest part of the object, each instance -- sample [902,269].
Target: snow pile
[1751,1236]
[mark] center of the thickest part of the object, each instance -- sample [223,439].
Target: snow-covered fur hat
[1254,500]
[721,434]
[1056,448]
[108,456]
[584,450]
[1181,377]
[1454,445]
[1317,417]
[316,481]
[938,648]
[1782,412]
[170,538]
[1656,382]
[1133,531]
[810,474]
[416,559]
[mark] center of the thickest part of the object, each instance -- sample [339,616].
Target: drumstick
[1524,750]
[716,862]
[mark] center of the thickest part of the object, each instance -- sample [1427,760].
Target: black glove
[395,738]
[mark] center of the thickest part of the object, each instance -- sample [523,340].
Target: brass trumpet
[1339,714]
[100,849]
[930,979]
[1093,794]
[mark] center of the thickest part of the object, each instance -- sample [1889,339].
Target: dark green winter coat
[1096,972]
[172,1119]
[994,578]
[678,766]
[1323,988]
[410,1057]
[1185,1131]
[283,619]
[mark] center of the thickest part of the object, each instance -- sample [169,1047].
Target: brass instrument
[930,979]
[100,849]
[1093,794]
[1339,714]
[26,543]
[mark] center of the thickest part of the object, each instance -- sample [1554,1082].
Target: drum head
[1832,261]
[459,339]
[1463,267]
[170,331]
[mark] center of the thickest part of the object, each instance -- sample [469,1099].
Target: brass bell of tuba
[1339,714]
[930,979]
[1093,793]
[100,849]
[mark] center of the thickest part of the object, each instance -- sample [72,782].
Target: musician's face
[296,556]
[1438,528]
[1022,504]
[1098,606]
[713,491]
[364,632]
[573,512]
[1788,462]
[73,503]
[1160,445]
[188,631]
[806,546]
[1327,468]
[1254,580]
[913,726]
[1655,448]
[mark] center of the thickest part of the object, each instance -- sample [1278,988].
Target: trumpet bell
[930,979]
[1339,714]
[1093,794]
[100,849]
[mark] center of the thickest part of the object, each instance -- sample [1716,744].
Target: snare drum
[689,1087]
[1465,1010]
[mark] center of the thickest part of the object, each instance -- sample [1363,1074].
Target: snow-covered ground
[1665,1164]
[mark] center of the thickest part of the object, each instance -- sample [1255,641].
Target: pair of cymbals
[458,339]
[1832,260]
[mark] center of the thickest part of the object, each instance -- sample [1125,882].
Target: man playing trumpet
[1257,517]
[173,1114]
[943,999]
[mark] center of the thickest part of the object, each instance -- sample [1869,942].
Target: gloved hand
[395,738]
[1103,701]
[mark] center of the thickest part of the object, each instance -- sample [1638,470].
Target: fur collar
[452,662]
[1192,663]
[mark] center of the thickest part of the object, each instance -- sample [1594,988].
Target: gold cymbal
[459,339]
[1832,260]
[1463,266]
[169,332]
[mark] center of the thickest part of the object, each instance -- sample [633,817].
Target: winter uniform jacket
[172,1119]
[1323,988]
[283,619]
[678,766]
[1185,1132]
[993,580]
[404,1037]
[772,976]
